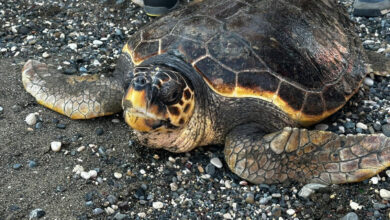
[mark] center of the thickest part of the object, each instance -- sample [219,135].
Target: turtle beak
[139,111]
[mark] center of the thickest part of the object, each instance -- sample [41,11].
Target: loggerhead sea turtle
[248,75]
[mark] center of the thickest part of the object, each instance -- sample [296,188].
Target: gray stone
[37,213]
[386,130]
[350,216]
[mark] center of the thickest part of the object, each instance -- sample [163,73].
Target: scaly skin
[78,97]
[305,156]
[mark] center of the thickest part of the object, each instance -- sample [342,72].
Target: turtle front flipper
[305,156]
[78,97]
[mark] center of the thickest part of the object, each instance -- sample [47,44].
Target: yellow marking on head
[126,49]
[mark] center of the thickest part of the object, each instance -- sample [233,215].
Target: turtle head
[158,100]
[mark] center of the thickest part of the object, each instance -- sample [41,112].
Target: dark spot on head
[181,102]
[174,110]
[187,94]
[186,108]
[181,121]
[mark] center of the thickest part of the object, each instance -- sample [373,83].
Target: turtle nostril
[140,81]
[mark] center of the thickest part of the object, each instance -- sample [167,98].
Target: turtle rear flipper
[305,156]
[78,97]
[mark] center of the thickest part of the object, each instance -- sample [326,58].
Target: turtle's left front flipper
[78,97]
[305,156]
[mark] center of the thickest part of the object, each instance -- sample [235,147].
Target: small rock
[374,180]
[38,125]
[72,46]
[81,148]
[385,194]
[216,162]
[17,166]
[55,146]
[290,211]
[350,216]
[99,131]
[388,173]
[210,169]
[31,119]
[37,213]
[157,205]
[109,210]
[354,205]
[310,188]
[45,55]
[97,42]
[1,109]
[322,127]
[141,214]
[97,211]
[60,126]
[117,175]
[112,199]
[265,200]
[119,216]
[368,81]
[362,126]
[386,130]
[227,216]
[32,164]
[85,175]
[250,198]
[78,169]
[173,186]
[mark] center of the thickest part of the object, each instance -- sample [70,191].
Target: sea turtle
[249,75]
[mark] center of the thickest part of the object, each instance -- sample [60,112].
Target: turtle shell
[301,55]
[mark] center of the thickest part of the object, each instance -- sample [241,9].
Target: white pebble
[368,81]
[117,175]
[388,173]
[45,55]
[115,120]
[85,175]
[158,205]
[322,127]
[354,205]
[31,119]
[72,46]
[81,148]
[290,211]
[92,173]
[385,194]
[228,184]
[142,214]
[216,162]
[374,180]
[142,171]
[97,42]
[55,146]
[362,126]
[227,216]
[109,210]
[78,169]
[341,129]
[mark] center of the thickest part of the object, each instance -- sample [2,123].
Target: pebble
[37,213]
[97,211]
[309,189]
[109,210]
[55,146]
[368,81]
[60,126]
[388,173]
[117,175]
[78,169]
[32,164]
[97,42]
[72,46]
[99,131]
[350,216]
[45,55]
[227,216]
[157,205]
[81,148]
[290,211]
[17,166]
[250,198]
[385,194]
[173,186]
[374,180]
[88,175]
[322,127]
[119,216]
[386,130]
[38,125]
[1,109]
[112,199]
[362,126]
[31,119]
[216,162]
[354,205]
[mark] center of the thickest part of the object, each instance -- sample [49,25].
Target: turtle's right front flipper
[78,97]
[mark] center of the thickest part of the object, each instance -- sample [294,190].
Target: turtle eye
[170,93]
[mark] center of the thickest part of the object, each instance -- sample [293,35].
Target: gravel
[85,38]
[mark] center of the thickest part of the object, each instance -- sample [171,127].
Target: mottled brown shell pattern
[306,62]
